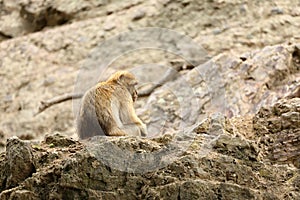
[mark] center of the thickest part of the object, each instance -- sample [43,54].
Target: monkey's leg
[117,132]
[113,126]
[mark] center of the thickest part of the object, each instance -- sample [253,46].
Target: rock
[276,11]
[12,26]
[2,141]
[109,25]
[236,147]
[210,88]
[139,14]
[278,128]
[18,195]
[24,17]
[19,162]
[58,140]
[203,126]
[38,16]
[130,168]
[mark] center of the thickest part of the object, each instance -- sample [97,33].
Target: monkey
[107,108]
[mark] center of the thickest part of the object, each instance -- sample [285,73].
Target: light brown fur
[107,109]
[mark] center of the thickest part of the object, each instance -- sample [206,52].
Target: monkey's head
[126,79]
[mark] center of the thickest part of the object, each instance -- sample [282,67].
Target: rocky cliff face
[226,126]
[44,62]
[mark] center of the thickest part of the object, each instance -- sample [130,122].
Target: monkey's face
[129,81]
[131,88]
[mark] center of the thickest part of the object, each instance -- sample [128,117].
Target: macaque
[107,108]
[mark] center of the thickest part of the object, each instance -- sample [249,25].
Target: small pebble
[277,11]
[139,14]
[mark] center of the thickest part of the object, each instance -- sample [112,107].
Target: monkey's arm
[134,121]
[114,124]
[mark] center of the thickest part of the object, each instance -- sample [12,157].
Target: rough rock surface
[278,131]
[230,167]
[228,84]
[19,163]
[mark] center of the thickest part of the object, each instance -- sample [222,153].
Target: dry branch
[56,100]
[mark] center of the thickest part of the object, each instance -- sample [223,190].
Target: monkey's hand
[143,129]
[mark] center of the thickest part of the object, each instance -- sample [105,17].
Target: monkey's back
[93,105]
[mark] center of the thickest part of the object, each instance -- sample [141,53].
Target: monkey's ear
[121,76]
[121,79]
